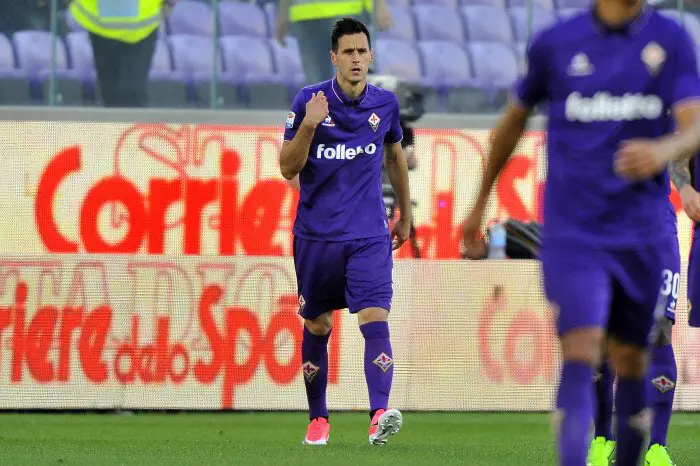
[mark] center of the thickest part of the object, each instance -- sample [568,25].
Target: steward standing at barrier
[123,34]
[312,21]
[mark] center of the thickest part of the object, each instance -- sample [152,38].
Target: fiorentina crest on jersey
[653,57]
[374,121]
[383,361]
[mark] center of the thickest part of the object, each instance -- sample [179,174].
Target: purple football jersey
[341,183]
[603,86]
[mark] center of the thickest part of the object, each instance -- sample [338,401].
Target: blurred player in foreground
[337,135]
[610,76]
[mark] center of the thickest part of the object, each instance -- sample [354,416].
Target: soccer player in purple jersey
[338,133]
[610,76]
[661,378]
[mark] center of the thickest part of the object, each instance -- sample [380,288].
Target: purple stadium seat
[449,3]
[270,11]
[540,20]
[438,22]
[166,86]
[495,65]
[403,27]
[690,23]
[487,23]
[71,23]
[34,55]
[398,58]
[14,88]
[566,13]
[193,18]
[401,3]
[248,61]
[80,51]
[541,4]
[580,4]
[194,56]
[244,19]
[446,64]
[288,60]
[498,3]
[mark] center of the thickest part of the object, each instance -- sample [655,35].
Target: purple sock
[662,387]
[604,395]
[379,363]
[632,420]
[314,354]
[575,405]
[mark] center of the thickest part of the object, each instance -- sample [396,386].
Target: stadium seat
[497,3]
[487,23]
[446,64]
[566,13]
[244,19]
[248,61]
[398,58]
[71,24]
[448,3]
[14,88]
[691,23]
[401,3]
[541,4]
[287,61]
[540,20]
[166,86]
[521,54]
[403,27]
[193,18]
[438,22]
[270,11]
[193,56]
[495,69]
[82,62]
[34,53]
[580,4]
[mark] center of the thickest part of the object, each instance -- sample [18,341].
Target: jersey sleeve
[531,88]
[395,133]
[685,81]
[295,116]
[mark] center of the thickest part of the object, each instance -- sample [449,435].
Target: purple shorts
[354,274]
[694,284]
[621,291]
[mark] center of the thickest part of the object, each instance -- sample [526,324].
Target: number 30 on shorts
[671,283]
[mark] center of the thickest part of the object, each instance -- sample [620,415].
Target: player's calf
[581,350]
[662,387]
[633,415]
[314,354]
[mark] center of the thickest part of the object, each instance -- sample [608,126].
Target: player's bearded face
[353,57]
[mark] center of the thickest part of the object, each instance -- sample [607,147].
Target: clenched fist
[316,109]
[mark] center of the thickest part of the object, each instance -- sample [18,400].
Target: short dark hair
[345,27]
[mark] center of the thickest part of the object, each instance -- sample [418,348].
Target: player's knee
[583,345]
[372,314]
[629,361]
[664,333]
[321,325]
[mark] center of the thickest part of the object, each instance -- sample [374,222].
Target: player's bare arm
[294,153]
[397,170]
[505,137]
[679,171]
[638,159]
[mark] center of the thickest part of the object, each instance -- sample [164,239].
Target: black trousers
[122,69]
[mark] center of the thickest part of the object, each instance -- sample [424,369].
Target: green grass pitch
[275,439]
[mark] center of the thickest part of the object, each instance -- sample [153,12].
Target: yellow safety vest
[304,10]
[126,20]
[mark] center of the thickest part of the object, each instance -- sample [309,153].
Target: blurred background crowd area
[238,54]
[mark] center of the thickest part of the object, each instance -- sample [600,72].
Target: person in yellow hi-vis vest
[312,21]
[123,34]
